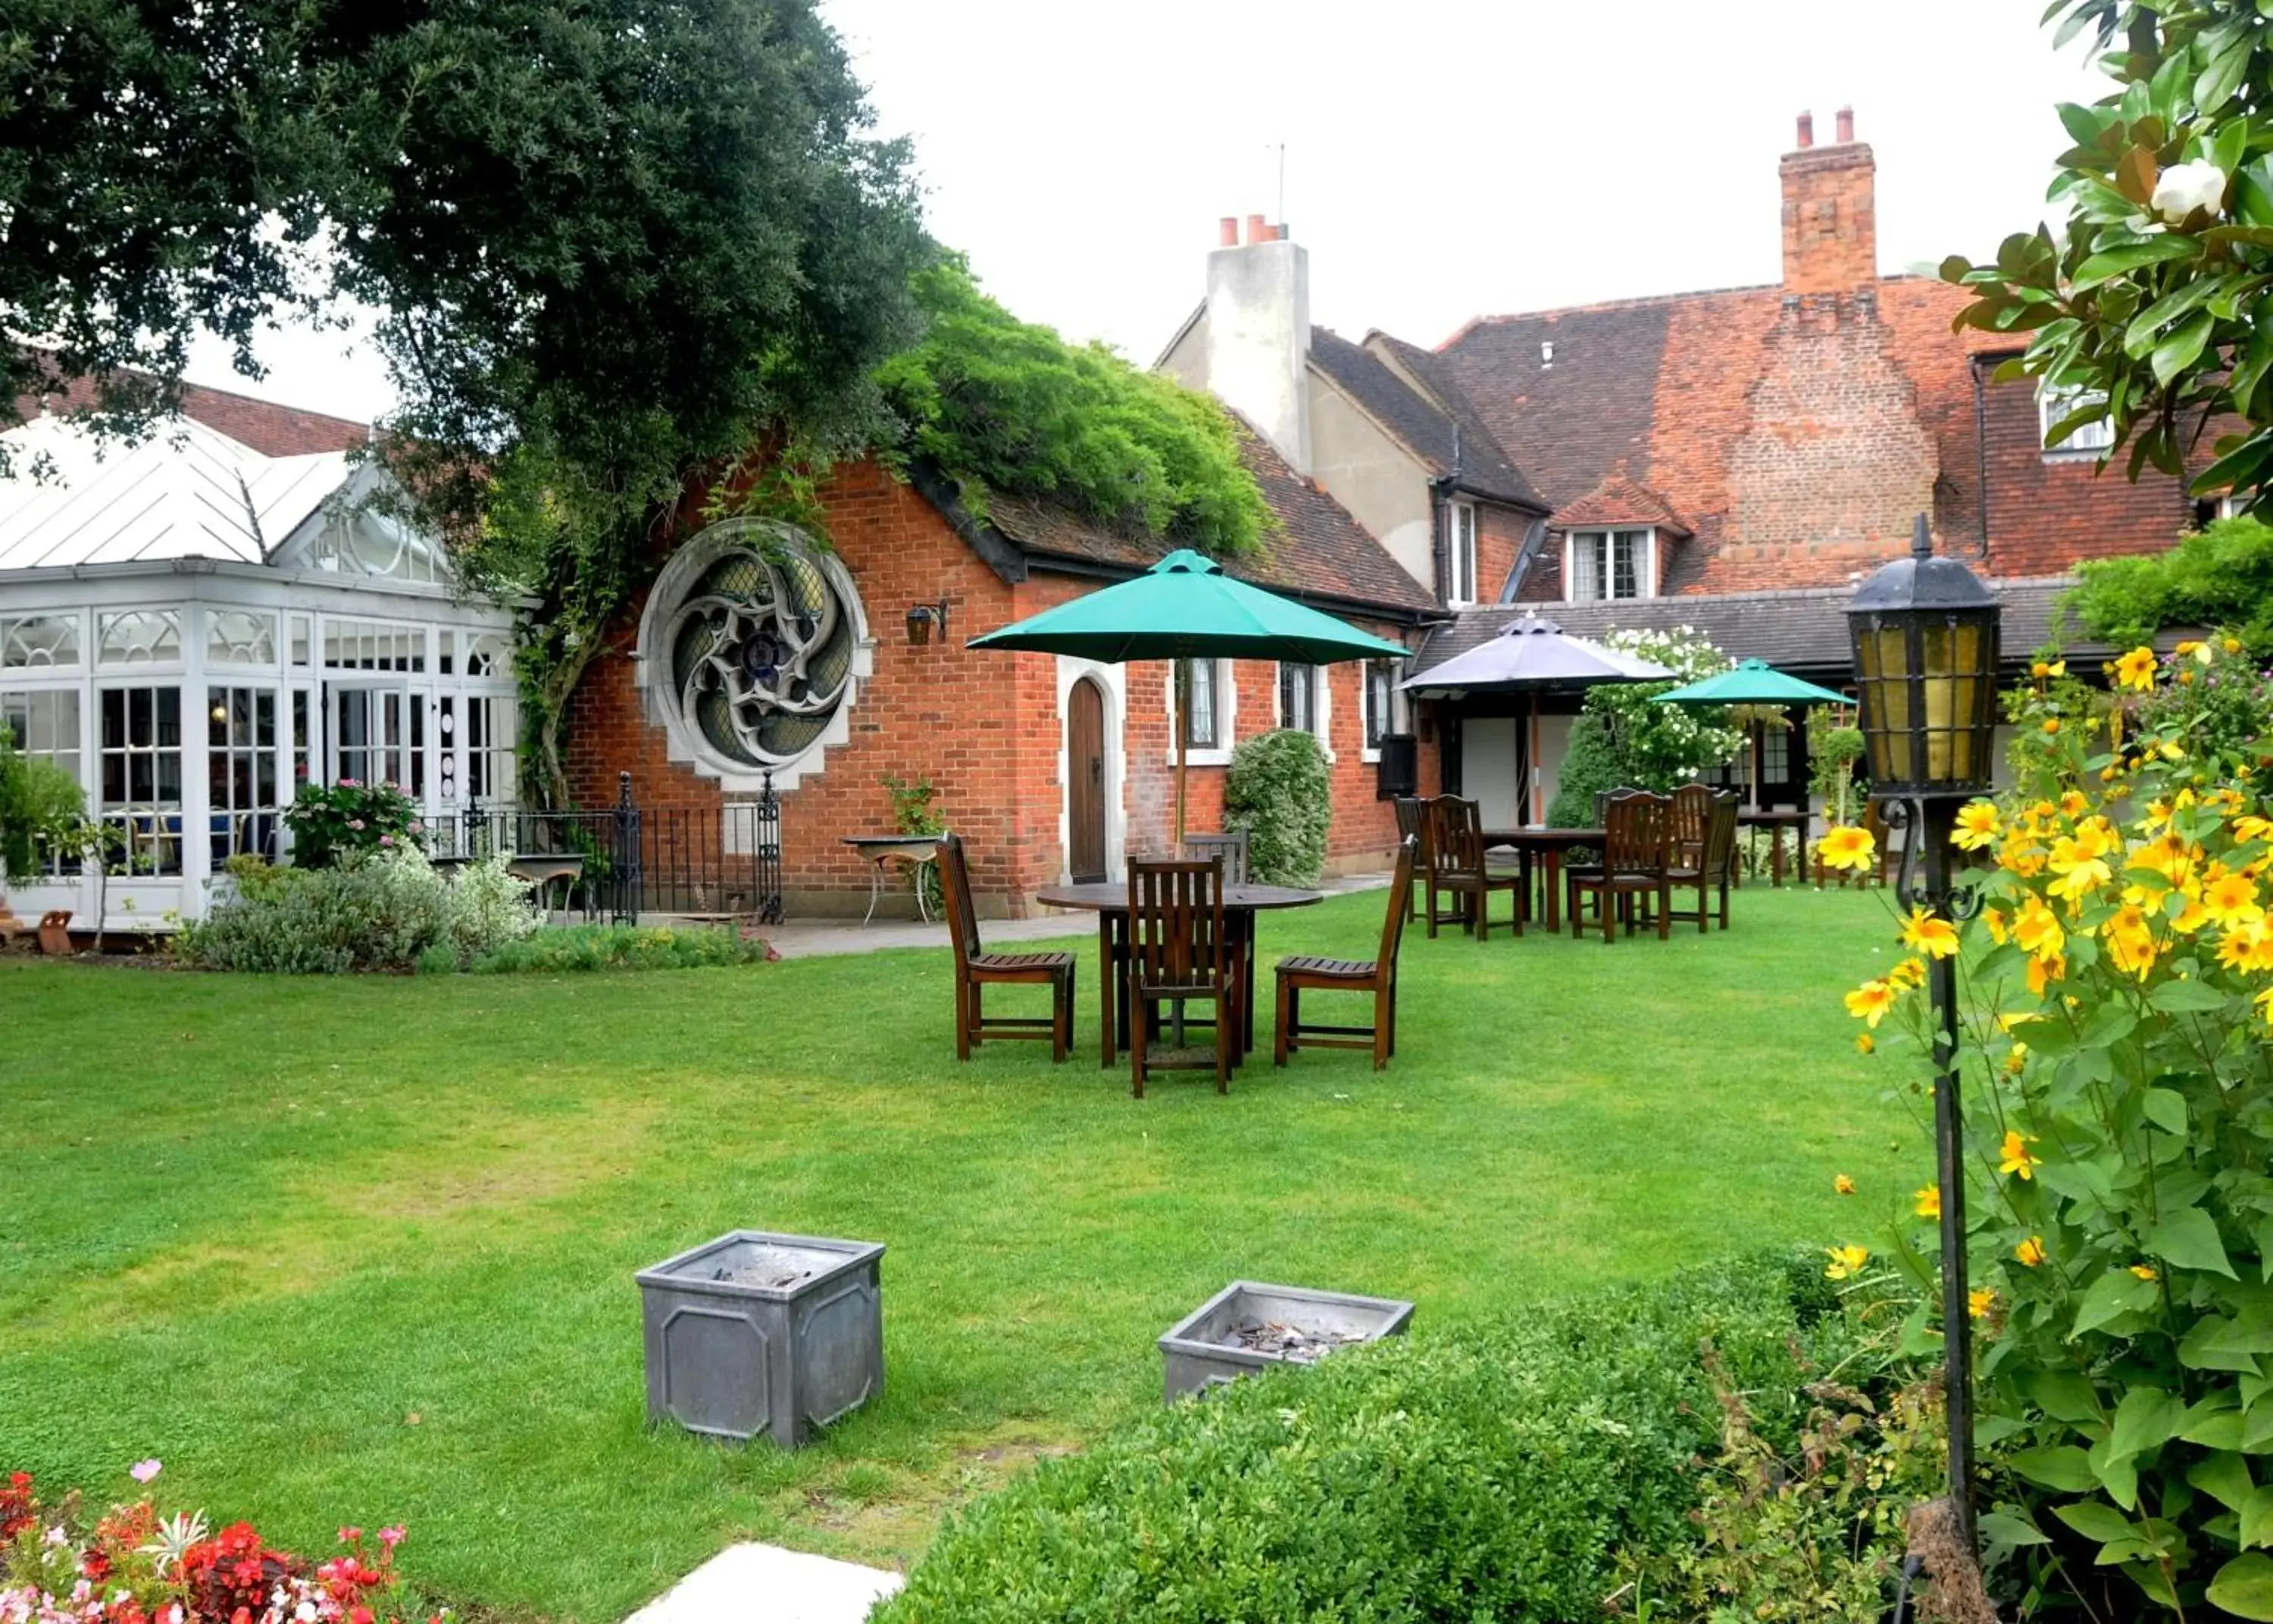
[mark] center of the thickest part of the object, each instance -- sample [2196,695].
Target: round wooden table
[1110,903]
[1546,847]
[1775,822]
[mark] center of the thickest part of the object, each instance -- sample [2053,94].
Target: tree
[615,242]
[1624,737]
[2153,301]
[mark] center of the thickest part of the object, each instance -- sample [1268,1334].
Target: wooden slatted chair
[1413,825]
[1716,864]
[975,968]
[1180,954]
[1230,846]
[1635,829]
[1459,864]
[1376,976]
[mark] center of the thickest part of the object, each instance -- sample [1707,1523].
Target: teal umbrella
[1186,607]
[1752,682]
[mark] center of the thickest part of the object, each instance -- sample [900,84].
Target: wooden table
[1776,822]
[1546,847]
[913,851]
[1110,903]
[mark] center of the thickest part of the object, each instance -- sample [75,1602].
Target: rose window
[759,648]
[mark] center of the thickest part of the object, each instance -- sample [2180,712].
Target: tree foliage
[985,397]
[39,804]
[1624,737]
[2221,576]
[2150,295]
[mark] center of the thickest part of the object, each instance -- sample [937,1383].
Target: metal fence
[721,861]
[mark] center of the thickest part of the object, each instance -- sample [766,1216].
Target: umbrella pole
[1537,815]
[1184,744]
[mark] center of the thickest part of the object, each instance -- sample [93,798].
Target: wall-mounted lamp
[922,618]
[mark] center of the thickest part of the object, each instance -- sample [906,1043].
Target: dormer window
[2058,401]
[1600,565]
[1461,527]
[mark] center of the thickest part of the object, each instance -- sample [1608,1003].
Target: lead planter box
[1246,1327]
[757,1333]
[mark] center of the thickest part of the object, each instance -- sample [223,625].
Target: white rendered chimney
[1259,337]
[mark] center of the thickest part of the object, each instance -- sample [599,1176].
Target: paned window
[1380,700]
[370,734]
[1460,523]
[239,637]
[1611,563]
[241,771]
[39,642]
[489,747]
[1203,720]
[1298,698]
[44,723]
[138,637]
[2057,401]
[141,747]
[372,646]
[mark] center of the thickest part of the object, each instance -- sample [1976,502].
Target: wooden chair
[1635,829]
[975,968]
[1458,864]
[1376,976]
[1230,846]
[1716,860]
[1413,825]
[1693,810]
[1179,953]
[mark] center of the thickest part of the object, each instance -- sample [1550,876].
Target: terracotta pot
[54,934]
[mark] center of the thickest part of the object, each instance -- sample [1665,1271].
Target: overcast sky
[1443,159]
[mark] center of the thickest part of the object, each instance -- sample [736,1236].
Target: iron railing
[722,861]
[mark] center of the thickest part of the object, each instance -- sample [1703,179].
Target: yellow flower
[1929,934]
[2247,945]
[2043,972]
[2144,1271]
[2233,645]
[2016,1059]
[2193,651]
[2081,868]
[2130,941]
[1979,1301]
[2032,1251]
[1977,825]
[1864,1043]
[1845,1261]
[1927,1202]
[2074,804]
[2232,899]
[2171,751]
[1846,848]
[2137,669]
[2264,1002]
[2037,929]
[2021,855]
[1843,1184]
[1907,973]
[1871,1001]
[2015,1156]
[2051,724]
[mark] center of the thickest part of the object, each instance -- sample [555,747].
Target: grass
[360,1250]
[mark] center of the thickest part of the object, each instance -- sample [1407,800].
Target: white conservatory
[191,629]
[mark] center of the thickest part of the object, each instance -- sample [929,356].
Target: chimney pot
[1227,231]
[1806,130]
[1256,231]
[1846,125]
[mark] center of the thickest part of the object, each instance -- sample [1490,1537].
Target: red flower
[96,1564]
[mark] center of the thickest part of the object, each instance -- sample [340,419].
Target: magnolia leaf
[2058,1466]
[2188,1238]
[2216,86]
[2224,1477]
[2126,257]
[2244,1587]
[2136,173]
[2256,1525]
[2166,1108]
[2095,1520]
[2183,347]
[2139,338]
[2117,1292]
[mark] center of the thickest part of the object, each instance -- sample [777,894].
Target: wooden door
[1085,783]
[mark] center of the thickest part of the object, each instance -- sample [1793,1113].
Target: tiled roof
[1802,630]
[264,426]
[1316,550]
[1424,427]
[1619,500]
[1487,470]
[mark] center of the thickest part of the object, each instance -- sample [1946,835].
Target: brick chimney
[1830,212]
[1258,334]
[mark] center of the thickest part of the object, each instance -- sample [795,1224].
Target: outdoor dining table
[1109,903]
[1546,847]
[1775,822]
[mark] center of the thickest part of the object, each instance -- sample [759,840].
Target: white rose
[2200,184]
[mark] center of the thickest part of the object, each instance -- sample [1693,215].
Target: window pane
[1200,730]
[38,642]
[1625,579]
[1587,567]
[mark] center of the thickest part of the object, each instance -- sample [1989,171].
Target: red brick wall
[983,726]
[2045,513]
[1830,219]
[1499,537]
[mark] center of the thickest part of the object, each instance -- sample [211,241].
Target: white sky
[1443,158]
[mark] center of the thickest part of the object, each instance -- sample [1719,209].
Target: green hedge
[1277,790]
[1485,1471]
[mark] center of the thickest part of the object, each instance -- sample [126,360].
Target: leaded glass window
[759,647]
[39,642]
[138,637]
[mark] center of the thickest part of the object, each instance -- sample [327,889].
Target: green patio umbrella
[1752,682]
[1186,607]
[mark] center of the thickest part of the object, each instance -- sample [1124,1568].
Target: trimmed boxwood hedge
[1488,1471]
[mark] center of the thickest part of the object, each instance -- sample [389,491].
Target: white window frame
[1367,751]
[1462,529]
[2088,443]
[1604,535]
[1226,713]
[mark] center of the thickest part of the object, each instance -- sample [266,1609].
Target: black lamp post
[1925,668]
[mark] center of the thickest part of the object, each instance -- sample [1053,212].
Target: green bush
[39,804]
[332,824]
[392,911]
[1592,766]
[620,947]
[1278,791]
[1500,1469]
[2221,576]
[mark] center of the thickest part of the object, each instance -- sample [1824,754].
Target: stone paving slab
[767,1584]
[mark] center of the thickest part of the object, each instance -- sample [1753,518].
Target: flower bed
[61,1564]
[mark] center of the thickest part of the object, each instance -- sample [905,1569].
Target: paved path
[766,1584]
[809,938]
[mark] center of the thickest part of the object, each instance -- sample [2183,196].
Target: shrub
[39,806]
[330,825]
[383,912]
[620,946]
[2221,575]
[1498,1469]
[1277,790]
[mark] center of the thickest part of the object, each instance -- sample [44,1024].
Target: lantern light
[1925,633]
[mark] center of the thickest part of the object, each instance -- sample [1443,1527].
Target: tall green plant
[39,804]
[1278,789]
[2221,575]
[1623,736]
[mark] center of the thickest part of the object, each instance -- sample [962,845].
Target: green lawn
[361,1251]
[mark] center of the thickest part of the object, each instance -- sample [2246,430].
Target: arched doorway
[1085,783]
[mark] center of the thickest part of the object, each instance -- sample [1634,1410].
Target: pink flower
[142,1471]
[417,826]
[386,839]
[350,783]
[355,823]
[390,1537]
[348,1536]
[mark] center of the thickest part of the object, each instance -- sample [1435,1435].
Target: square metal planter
[758,1333]
[1247,1327]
